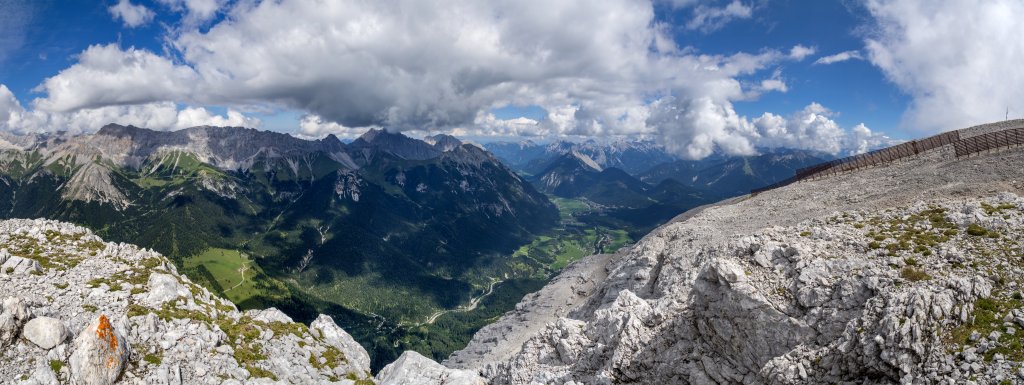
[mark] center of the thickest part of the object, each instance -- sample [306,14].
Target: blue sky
[59,30]
[696,75]
[855,88]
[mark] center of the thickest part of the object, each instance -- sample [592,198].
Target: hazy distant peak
[118,130]
[586,160]
[443,142]
[372,134]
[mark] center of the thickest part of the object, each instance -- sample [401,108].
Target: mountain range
[718,176]
[902,271]
[390,235]
[379,232]
[639,185]
[575,175]
[531,158]
[726,176]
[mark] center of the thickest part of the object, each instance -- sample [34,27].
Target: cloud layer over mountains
[597,69]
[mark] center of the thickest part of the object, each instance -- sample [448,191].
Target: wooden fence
[963,147]
[989,141]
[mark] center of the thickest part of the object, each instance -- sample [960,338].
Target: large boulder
[414,369]
[356,357]
[45,332]
[13,316]
[100,354]
[164,288]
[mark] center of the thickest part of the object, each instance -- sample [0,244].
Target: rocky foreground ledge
[925,294]
[79,310]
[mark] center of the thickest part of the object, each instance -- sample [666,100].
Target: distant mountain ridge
[719,174]
[716,176]
[630,156]
[397,144]
[575,175]
[228,148]
[730,176]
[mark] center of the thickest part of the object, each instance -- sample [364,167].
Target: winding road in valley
[241,270]
[461,309]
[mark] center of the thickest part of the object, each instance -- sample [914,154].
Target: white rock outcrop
[45,332]
[411,368]
[818,302]
[164,288]
[13,315]
[42,375]
[269,315]
[358,361]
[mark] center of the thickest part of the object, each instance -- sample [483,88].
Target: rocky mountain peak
[331,138]
[117,130]
[443,142]
[397,144]
[370,135]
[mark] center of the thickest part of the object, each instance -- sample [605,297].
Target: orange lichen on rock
[105,332]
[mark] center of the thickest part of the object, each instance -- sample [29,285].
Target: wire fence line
[964,147]
[990,141]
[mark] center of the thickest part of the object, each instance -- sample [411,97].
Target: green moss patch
[914,275]
[988,317]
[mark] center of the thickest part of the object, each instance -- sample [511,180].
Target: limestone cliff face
[81,311]
[909,273]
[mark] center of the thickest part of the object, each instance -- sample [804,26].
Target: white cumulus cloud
[314,127]
[959,60]
[107,75]
[346,65]
[157,115]
[695,128]
[133,15]
[711,18]
[196,11]
[698,128]
[813,128]
[800,52]
[412,65]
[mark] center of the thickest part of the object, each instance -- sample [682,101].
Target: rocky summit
[82,311]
